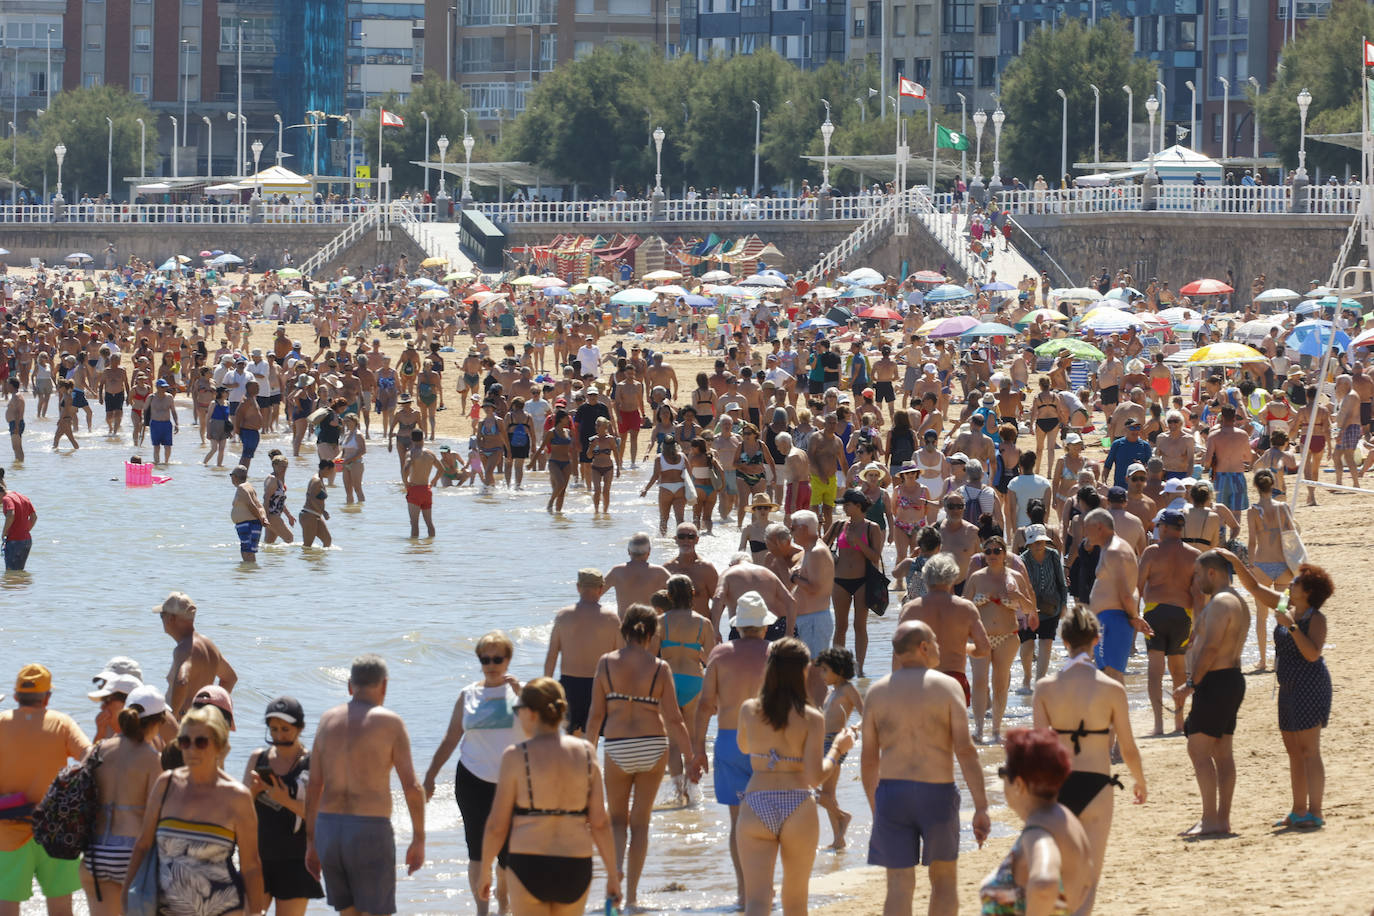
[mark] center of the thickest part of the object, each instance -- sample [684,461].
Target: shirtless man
[1176,447]
[247,514]
[1166,578]
[582,633]
[1131,409]
[423,470]
[726,445]
[1138,501]
[913,729]
[1109,375]
[744,576]
[348,836]
[1345,423]
[1009,401]
[196,661]
[1217,687]
[1228,453]
[470,379]
[825,451]
[1114,598]
[114,387]
[1161,380]
[636,580]
[955,621]
[1128,527]
[14,418]
[959,537]
[687,563]
[162,420]
[660,374]
[734,673]
[780,556]
[976,446]
[629,406]
[794,477]
[884,379]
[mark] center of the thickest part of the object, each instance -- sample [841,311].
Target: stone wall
[1290,249]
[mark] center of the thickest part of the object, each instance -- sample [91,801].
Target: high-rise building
[808,33]
[948,46]
[310,69]
[32,56]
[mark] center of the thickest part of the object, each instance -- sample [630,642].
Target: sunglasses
[686,537]
[1139,477]
[186,742]
[491,659]
[995,551]
[954,505]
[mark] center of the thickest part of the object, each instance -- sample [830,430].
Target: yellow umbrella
[1225,354]
[929,326]
[1044,314]
[182,259]
[658,276]
[579,289]
[434,262]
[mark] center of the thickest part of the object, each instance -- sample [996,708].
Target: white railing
[26,213]
[882,217]
[1339,264]
[1183,198]
[291,212]
[946,231]
[582,211]
[336,246]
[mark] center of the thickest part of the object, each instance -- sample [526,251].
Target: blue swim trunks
[160,431]
[250,534]
[731,768]
[1114,648]
[1231,491]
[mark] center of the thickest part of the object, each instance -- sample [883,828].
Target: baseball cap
[1116,495]
[120,683]
[1035,534]
[116,666]
[177,604]
[958,458]
[162,383]
[147,698]
[288,709]
[216,696]
[33,678]
[1132,423]
[1073,439]
[1136,468]
[1171,517]
[928,367]
[1173,486]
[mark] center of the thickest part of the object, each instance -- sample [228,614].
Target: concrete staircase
[1008,263]
[437,240]
[341,242]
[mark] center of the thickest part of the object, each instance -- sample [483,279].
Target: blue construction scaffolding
[310,71]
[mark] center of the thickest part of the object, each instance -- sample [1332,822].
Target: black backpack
[64,821]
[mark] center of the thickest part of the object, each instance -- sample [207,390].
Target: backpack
[64,821]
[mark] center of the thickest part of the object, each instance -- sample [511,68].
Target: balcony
[509,12]
[503,65]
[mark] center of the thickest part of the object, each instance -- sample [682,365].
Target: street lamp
[468,144]
[209,147]
[14,165]
[1064,136]
[827,130]
[1164,112]
[758,122]
[999,117]
[1097,123]
[658,161]
[47,79]
[176,163]
[980,120]
[142,148]
[1225,115]
[1151,109]
[277,118]
[1304,102]
[185,90]
[443,158]
[109,161]
[60,151]
[425,115]
[963,131]
[1192,112]
[1130,117]
[257,178]
[1254,119]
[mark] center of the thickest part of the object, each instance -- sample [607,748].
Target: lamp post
[1063,136]
[1130,117]
[240,131]
[277,118]
[257,154]
[980,120]
[443,158]
[185,90]
[1163,112]
[758,123]
[999,117]
[1192,112]
[1097,124]
[468,144]
[14,166]
[658,161]
[1304,102]
[448,52]
[1151,109]
[963,131]
[142,148]
[1150,184]
[109,161]
[176,165]
[1225,115]
[827,130]
[47,84]
[1254,119]
[209,147]
[60,151]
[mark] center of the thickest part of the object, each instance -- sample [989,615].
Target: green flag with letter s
[949,139]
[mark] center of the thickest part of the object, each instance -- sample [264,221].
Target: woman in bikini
[402,423]
[688,428]
[279,518]
[706,471]
[139,392]
[704,400]
[1004,598]
[1045,414]
[202,396]
[670,473]
[559,447]
[1267,520]
[664,421]
[1316,446]
[753,467]
[313,514]
[550,823]
[686,641]
[1086,708]
[601,454]
[857,543]
[783,737]
[1278,461]
[428,388]
[909,509]
[493,442]
[353,447]
[638,715]
[934,473]
[1067,469]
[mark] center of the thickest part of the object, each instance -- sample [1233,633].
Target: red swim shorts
[418,494]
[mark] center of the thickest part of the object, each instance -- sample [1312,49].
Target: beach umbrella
[1258,329]
[670,290]
[1078,349]
[1108,320]
[169,264]
[1227,353]
[526,280]
[434,262]
[658,276]
[839,314]
[424,282]
[300,294]
[346,279]
[1191,326]
[289,273]
[1122,293]
[929,325]
[1178,313]
[880,312]
[1044,314]
[78,256]
[824,292]
[579,289]
[223,259]
[864,276]
[713,276]
[3,252]
[698,302]
[458,275]
[997,287]
[928,276]
[479,288]
[1076,294]
[954,327]
[182,259]
[546,282]
[859,292]
[1311,338]
[767,280]
[554,292]
[948,293]
[1277,294]
[434,294]
[1206,287]
[601,282]
[207,254]
[1327,302]
[634,297]
[990,329]
[1364,340]
[818,322]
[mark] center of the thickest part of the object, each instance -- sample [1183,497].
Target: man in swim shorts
[349,841]
[582,633]
[1217,687]
[1227,453]
[734,673]
[423,470]
[955,621]
[162,422]
[826,453]
[913,729]
[14,416]
[247,514]
[1166,576]
[1114,598]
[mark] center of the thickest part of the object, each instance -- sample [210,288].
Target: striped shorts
[108,858]
[637,755]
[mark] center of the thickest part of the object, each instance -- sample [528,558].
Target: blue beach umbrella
[818,322]
[1311,338]
[947,292]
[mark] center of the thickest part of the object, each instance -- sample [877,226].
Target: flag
[391,119]
[949,139]
[1368,53]
[912,90]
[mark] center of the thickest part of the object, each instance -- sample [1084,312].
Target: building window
[1187,34]
[139,86]
[956,69]
[583,49]
[38,82]
[548,51]
[875,17]
[1216,128]
[923,18]
[95,37]
[1304,9]
[987,72]
[143,38]
[91,80]
[958,16]
[189,34]
[987,19]
[899,21]
[837,44]
[898,68]
[920,70]
[859,31]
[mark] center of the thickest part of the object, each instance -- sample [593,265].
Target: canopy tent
[1176,165]
[278,180]
[494,174]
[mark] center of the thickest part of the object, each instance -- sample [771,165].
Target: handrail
[847,246]
[338,243]
[1349,243]
[1068,281]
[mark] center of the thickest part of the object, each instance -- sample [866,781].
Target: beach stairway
[341,242]
[951,231]
[866,236]
[436,239]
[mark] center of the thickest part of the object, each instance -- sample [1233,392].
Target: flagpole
[934,158]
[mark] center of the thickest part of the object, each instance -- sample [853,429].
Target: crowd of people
[851,464]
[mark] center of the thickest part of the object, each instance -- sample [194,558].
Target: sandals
[1307,821]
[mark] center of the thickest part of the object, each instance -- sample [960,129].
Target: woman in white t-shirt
[483,725]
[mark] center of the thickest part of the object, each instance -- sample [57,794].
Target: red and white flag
[1368,53]
[391,119]
[912,90]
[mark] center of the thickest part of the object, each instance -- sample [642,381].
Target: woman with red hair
[1049,869]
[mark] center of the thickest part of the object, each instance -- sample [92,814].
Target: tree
[403,145]
[77,121]
[1070,57]
[1325,59]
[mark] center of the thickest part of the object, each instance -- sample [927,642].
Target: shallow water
[105,555]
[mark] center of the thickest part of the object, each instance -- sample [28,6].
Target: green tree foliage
[403,145]
[1325,59]
[77,120]
[1070,57]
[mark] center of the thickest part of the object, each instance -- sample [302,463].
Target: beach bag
[64,821]
[876,585]
[1294,550]
[143,888]
[689,491]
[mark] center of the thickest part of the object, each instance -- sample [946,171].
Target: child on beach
[836,665]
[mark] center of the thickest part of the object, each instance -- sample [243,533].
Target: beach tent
[277,180]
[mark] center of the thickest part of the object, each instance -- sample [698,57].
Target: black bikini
[1083,786]
[551,879]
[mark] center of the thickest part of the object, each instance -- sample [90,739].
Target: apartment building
[32,57]
[948,46]
[808,33]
